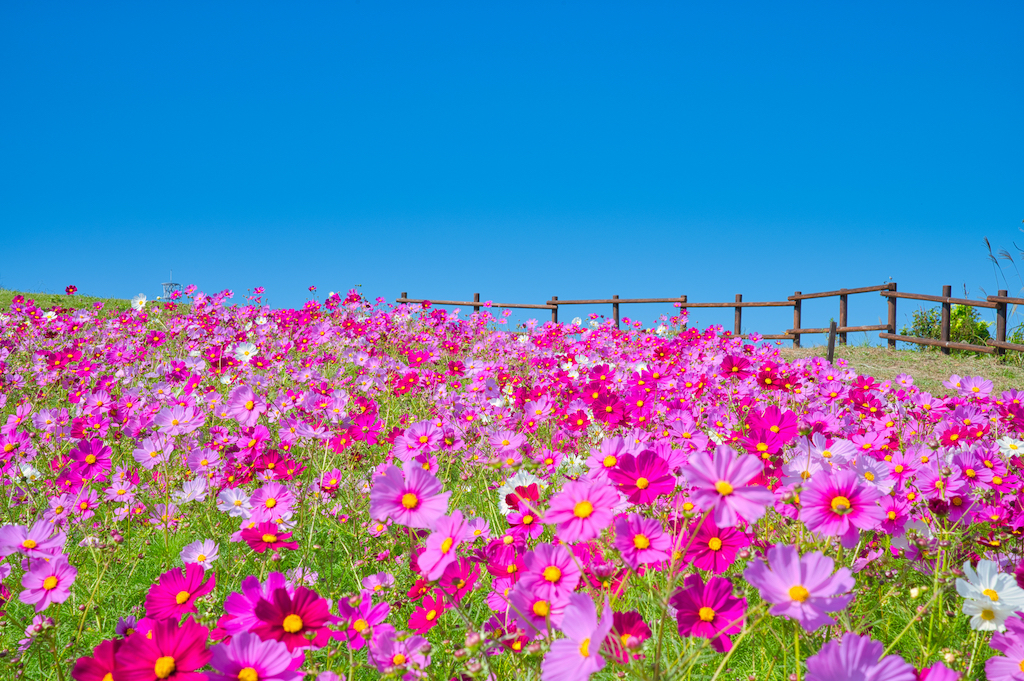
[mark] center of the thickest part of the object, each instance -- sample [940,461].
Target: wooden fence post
[405,294]
[615,311]
[831,341]
[1001,323]
[554,312]
[737,321]
[892,315]
[843,302]
[476,299]
[947,291]
[796,320]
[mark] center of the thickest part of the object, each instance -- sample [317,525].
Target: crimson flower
[268,537]
[292,618]
[168,651]
[642,478]
[177,591]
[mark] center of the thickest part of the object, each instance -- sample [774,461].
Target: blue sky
[521,150]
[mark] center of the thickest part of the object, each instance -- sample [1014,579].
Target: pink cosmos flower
[582,509]
[414,499]
[535,612]
[247,656]
[427,615]
[857,657]
[33,543]
[642,478]
[801,588]
[709,610]
[578,656]
[449,532]
[550,570]
[391,654]
[176,593]
[1007,667]
[641,541]
[100,665]
[91,459]
[292,618]
[47,581]
[722,485]
[244,406]
[240,608]
[839,505]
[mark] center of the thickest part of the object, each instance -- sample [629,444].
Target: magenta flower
[550,570]
[801,588]
[709,610]
[582,509]
[240,608]
[534,611]
[91,459]
[33,543]
[721,485]
[839,505]
[854,658]
[714,548]
[177,591]
[641,541]
[414,499]
[577,656]
[642,478]
[441,545]
[358,617]
[168,651]
[390,654]
[247,656]
[47,581]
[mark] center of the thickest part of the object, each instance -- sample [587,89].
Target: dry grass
[929,368]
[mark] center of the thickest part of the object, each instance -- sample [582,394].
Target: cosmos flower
[577,656]
[722,485]
[289,618]
[857,658]
[47,581]
[642,478]
[176,592]
[167,651]
[247,657]
[713,548]
[840,505]
[801,588]
[708,610]
[581,510]
[641,541]
[449,532]
[202,552]
[413,499]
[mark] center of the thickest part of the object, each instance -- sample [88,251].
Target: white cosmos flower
[260,321]
[576,321]
[50,316]
[990,595]
[244,352]
[1010,447]
[235,503]
[139,302]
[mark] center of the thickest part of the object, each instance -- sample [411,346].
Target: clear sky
[521,150]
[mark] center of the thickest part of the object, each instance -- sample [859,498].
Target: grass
[46,301]
[929,368]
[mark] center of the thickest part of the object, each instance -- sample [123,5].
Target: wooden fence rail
[999,303]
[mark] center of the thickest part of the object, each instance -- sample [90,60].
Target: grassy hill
[48,300]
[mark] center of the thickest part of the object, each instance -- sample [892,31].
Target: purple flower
[856,658]
[577,656]
[34,542]
[801,588]
[47,581]
[203,552]
[246,656]
[414,499]
[641,541]
[582,509]
[721,485]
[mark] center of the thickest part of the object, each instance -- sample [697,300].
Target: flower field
[201,490]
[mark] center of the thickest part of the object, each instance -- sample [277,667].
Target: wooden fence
[889,291]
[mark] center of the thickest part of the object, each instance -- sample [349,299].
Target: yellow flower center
[583,509]
[898,468]
[799,593]
[432,615]
[723,488]
[90,459]
[991,594]
[715,544]
[50,583]
[182,597]
[552,573]
[609,461]
[410,500]
[541,609]
[585,648]
[641,541]
[988,615]
[269,538]
[250,405]
[292,624]
[446,545]
[164,667]
[248,674]
[840,505]
[642,483]
[271,502]
[706,614]
[28,544]
[398,659]
[869,476]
